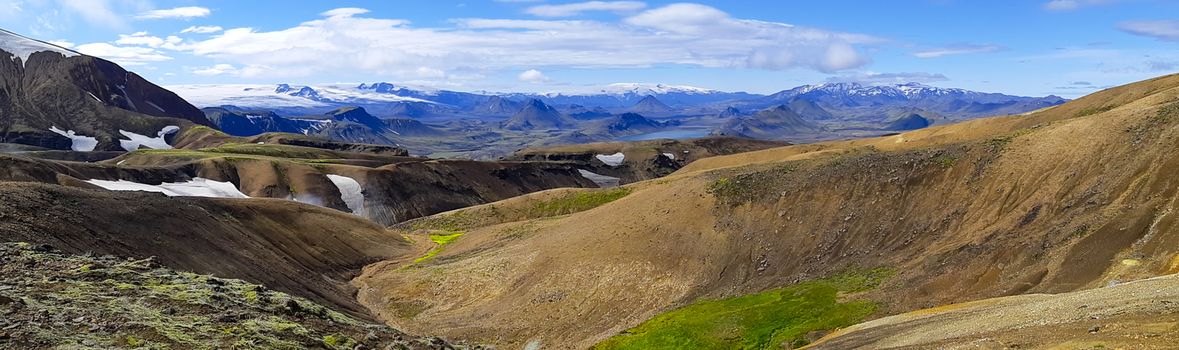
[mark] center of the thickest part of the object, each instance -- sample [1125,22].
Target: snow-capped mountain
[837,97]
[621,95]
[907,91]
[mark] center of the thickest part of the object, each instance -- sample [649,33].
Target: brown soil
[1052,201]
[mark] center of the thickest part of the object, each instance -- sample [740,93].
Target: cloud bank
[678,34]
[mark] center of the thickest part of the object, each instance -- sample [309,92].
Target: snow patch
[611,159]
[350,192]
[197,187]
[149,103]
[602,181]
[22,47]
[621,89]
[136,140]
[669,155]
[80,143]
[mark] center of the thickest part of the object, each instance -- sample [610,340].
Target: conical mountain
[538,115]
[652,105]
[55,98]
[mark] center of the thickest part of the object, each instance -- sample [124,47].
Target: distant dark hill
[45,86]
[496,105]
[580,112]
[625,124]
[910,122]
[770,124]
[538,115]
[809,110]
[357,115]
[730,112]
[652,105]
[409,109]
[238,122]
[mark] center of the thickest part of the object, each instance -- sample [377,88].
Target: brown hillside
[1064,199]
[296,248]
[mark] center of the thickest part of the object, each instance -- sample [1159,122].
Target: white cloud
[1069,5]
[532,76]
[574,9]
[695,35]
[220,69]
[97,12]
[201,29]
[874,78]
[143,39]
[957,50]
[123,55]
[1166,30]
[178,12]
[429,73]
[344,12]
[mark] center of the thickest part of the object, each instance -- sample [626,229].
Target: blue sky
[1031,47]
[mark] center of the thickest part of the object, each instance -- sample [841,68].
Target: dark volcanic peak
[356,115]
[650,104]
[537,115]
[58,99]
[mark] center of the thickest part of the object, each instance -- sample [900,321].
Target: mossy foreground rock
[52,300]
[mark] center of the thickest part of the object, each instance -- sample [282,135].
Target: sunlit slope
[1063,199]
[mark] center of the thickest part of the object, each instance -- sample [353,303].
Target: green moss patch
[769,320]
[441,240]
[576,202]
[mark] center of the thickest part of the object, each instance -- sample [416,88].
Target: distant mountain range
[820,102]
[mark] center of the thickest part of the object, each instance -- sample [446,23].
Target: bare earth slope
[1064,199]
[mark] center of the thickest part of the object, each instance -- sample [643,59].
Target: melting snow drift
[350,192]
[137,140]
[612,159]
[602,181]
[80,143]
[197,187]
